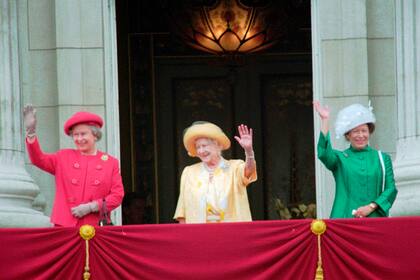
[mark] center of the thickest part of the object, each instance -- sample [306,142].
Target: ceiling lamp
[229,27]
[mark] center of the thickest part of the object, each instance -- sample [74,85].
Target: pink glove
[84,209]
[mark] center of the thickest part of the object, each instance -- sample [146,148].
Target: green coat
[358,178]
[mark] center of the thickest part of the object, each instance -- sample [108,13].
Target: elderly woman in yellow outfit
[214,190]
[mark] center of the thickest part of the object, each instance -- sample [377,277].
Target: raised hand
[245,138]
[323,112]
[29,118]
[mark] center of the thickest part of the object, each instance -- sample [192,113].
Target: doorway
[165,86]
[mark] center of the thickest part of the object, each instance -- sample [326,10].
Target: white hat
[352,116]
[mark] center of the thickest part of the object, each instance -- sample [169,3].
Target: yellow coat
[229,187]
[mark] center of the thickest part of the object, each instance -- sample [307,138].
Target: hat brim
[351,117]
[206,130]
[82,118]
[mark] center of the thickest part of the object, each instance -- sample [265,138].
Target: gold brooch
[104,157]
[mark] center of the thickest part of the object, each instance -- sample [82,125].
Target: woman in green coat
[364,179]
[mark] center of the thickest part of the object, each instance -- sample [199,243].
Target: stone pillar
[340,73]
[407,162]
[68,63]
[17,189]
[353,62]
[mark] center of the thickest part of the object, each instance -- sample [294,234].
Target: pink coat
[79,179]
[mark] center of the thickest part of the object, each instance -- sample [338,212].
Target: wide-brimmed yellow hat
[204,130]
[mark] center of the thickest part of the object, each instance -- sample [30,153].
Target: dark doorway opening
[164,85]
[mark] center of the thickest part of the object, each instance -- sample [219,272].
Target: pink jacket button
[74,181]
[97,182]
[98,167]
[76,165]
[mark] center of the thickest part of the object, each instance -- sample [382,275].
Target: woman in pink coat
[88,181]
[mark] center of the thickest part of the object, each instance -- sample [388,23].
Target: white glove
[84,209]
[29,118]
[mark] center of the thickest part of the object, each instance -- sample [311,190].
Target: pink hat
[83,118]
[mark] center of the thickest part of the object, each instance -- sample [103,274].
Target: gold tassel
[319,274]
[318,227]
[87,232]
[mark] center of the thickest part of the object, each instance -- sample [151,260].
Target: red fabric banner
[44,253]
[374,248]
[382,248]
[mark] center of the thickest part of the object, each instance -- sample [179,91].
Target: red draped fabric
[382,248]
[260,250]
[45,253]
[374,248]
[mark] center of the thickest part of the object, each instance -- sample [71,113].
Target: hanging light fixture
[229,27]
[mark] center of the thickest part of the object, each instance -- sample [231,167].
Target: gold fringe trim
[87,232]
[318,227]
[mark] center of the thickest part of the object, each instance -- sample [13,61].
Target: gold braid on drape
[318,227]
[87,232]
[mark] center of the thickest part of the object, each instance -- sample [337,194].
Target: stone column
[353,62]
[17,189]
[407,161]
[340,73]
